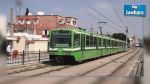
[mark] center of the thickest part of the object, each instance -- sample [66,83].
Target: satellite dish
[40,13]
[51,14]
[30,14]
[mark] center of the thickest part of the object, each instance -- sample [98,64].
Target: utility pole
[11,24]
[100,26]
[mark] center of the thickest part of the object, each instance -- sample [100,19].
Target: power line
[106,17]
[92,15]
[126,21]
[119,30]
[101,14]
[116,12]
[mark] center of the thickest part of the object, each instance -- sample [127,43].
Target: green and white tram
[73,44]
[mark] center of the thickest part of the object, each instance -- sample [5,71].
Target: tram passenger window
[87,41]
[94,41]
[100,42]
[107,42]
[115,43]
[104,42]
[112,43]
[91,41]
[76,40]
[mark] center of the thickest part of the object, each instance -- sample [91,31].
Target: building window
[61,21]
[35,21]
[45,32]
[28,22]
[74,22]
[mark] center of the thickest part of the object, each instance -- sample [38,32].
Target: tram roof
[86,32]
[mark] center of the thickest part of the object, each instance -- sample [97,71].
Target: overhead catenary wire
[129,26]
[119,17]
[98,12]
[106,17]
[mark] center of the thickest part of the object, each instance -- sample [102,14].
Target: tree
[120,36]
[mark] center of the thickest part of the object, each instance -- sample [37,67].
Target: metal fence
[23,57]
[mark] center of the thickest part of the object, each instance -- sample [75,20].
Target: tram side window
[77,40]
[112,43]
[91,41]
[115,44]
[100,42]
[120,44]
[104,42]
[107,43]
[87,41]
[94,41]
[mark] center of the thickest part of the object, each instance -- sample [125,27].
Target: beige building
[134,41]
[27,42]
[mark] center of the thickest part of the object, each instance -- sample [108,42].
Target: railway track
[102,78]
[30,67]
[51,69]
[23,68]
[118,79]
[135,70]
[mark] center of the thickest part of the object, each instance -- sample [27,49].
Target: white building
[27,42]
[134,41]
[71,21]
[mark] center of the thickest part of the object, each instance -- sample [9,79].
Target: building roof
[72,17]
[28,36]
[44,15]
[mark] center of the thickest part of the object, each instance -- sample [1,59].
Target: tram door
[82,44]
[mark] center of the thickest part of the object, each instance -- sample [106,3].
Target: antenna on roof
[27,11]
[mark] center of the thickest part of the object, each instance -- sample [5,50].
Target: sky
[87,17]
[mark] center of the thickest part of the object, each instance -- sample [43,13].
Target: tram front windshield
[60,39]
